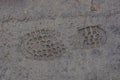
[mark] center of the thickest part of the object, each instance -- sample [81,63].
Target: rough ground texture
[82,41]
